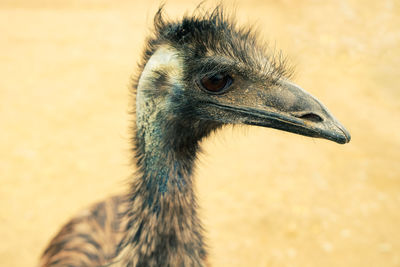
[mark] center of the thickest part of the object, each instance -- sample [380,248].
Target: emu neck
[163,227]
[166,144]
[167,232]
[166,167]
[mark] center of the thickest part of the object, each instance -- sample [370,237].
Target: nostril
[311,117]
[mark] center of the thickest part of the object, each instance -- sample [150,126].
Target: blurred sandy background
[268,198]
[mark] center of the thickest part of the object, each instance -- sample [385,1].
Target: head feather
[215,33]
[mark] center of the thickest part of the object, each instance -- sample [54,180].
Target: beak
[286,107]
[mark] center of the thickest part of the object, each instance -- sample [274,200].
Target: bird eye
[216,83]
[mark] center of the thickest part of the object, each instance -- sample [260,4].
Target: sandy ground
[268,198]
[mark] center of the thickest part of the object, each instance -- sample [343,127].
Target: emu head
[203,72]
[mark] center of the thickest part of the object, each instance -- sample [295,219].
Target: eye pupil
[216,83]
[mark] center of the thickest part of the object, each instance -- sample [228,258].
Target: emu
[196,75]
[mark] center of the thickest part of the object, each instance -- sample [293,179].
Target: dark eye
[216,83]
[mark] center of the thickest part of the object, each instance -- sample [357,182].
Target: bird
[196,75]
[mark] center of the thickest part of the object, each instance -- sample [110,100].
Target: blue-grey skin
[156,224]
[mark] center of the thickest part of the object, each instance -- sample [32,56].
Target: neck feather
[162,228]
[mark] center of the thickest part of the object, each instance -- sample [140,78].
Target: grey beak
[310,114]
[286,107]
[290,108]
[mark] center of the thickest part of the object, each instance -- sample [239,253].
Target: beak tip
[344,136]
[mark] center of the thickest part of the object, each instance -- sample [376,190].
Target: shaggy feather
[156,224]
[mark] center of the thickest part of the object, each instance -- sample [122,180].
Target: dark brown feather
[156,224]
[91,238]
